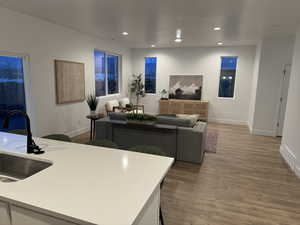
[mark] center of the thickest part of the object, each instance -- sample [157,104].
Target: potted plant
[137,87]
[92,102]
[164,94]
[141,119]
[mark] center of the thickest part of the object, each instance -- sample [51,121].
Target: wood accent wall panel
[175,106]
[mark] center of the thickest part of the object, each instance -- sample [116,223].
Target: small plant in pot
[164,94]
[92,102]
[137,87]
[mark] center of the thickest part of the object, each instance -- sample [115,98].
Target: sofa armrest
[191,143]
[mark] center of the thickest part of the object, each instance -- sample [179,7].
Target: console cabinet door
[4,214]
[21,216]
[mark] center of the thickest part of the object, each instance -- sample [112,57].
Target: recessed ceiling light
[178,40]
[217,28]
[178,36]
[125,33]
[152,46]
[220,43]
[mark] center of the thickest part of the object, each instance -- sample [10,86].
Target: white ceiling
[243,22]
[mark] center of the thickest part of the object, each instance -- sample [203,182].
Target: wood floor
[245,183]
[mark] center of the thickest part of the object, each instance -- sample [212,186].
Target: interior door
[283,100]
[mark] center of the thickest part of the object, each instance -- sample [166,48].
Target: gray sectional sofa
[180,138]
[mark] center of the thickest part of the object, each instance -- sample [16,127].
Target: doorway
[285,82]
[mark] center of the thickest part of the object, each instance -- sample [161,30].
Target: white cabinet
[150,212]
[4,214]
[21,216]
[11,214]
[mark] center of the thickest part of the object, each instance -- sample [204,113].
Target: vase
[93,113]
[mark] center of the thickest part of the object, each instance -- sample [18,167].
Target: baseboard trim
[290,158]
[226,121]
[271,133]
[77,132]
[250,127]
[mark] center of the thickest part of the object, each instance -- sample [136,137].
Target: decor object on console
[112,106]
[137,87]
[128,107]
[70,81]
[175,106]
[164,94]
[92,102]
[187,87]
[141,118]
[123,105]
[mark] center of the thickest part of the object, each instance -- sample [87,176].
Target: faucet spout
[31,146]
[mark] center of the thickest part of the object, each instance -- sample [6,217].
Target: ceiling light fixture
[152,46]
[125,33]
[220,43]
[178,36]
[217,28]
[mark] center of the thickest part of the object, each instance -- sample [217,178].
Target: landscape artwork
[185,87]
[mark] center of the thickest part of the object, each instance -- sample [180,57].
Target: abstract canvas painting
[186,87]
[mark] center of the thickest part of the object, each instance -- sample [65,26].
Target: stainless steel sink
[14,168]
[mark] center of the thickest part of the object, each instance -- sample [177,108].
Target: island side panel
[150,212]
[22,216]
[4,214]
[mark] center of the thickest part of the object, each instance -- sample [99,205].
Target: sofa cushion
[180,122]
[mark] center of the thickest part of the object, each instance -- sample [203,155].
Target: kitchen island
[84,185]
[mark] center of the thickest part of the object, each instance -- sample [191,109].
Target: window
[107,71]
[227,77]
[12,91]
[150,74]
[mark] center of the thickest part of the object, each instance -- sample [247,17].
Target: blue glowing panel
[227,77]
[150,74]
[12,91]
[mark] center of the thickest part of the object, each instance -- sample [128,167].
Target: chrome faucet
[32,148]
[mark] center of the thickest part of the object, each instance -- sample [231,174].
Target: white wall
[207,62]
[254,85]
[274,54]
[43,42]
[290,147]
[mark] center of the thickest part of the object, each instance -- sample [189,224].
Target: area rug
[211,141]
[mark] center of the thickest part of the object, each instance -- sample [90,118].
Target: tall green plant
[92,102]
[137,87]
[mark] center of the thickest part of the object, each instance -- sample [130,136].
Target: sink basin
[14,168]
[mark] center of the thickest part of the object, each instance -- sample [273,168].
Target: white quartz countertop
[86,184]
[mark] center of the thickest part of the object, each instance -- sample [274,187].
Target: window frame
[106,74]
[235,82]
[155,92]
[27,76]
